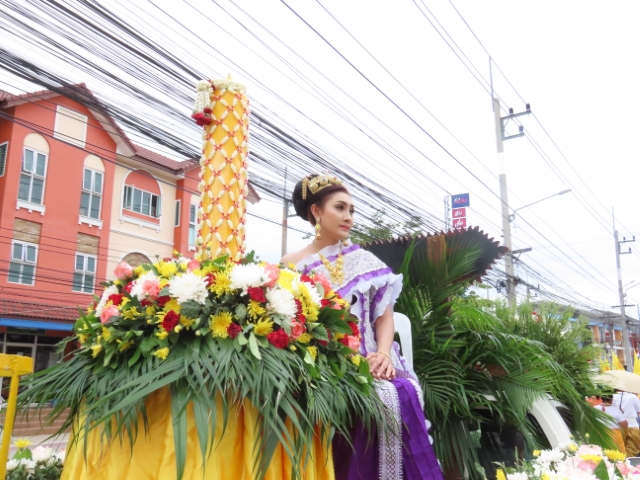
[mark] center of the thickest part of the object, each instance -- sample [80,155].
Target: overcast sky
[575,62]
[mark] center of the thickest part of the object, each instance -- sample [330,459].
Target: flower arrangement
[40,464]
[570,461]
[205,329]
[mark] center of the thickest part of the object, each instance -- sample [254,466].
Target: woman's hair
[303,198]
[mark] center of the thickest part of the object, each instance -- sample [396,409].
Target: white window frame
[92,193]
[142,193]
[84,272]
[60,110]
[22,261]
[193,223]
[3,161]
[28,204]
[178,217]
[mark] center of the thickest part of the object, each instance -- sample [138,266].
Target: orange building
[77,197]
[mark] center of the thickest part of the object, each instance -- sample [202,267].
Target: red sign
[458,212]
[460,223]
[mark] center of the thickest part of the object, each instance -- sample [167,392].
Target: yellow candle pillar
[222,108]
[13,366]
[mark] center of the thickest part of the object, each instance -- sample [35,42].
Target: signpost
[459,211]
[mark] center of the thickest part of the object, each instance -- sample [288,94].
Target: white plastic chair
[403,329]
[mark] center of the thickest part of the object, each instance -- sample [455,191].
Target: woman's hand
[380,366]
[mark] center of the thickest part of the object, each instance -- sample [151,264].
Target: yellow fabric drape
[616,362]
[616,435]
[153,456]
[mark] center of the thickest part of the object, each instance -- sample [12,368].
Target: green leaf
[601,471]
[241,312]
[253,346]
[190,309]
[242,339]
[147,344]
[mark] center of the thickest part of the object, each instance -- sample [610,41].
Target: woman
[372,289]
[616,422]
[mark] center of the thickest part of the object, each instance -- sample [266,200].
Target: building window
[84,275]
[176,222]
[91,194]
[4,150]
[142,202]
[34,165]
[22,266]
[192,224]
[70,126]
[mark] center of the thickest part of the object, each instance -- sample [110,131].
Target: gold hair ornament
[317,183]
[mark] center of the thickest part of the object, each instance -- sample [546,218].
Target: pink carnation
[151,288]
[350,341]
[297,329]
[107,313]
[193,265]
[324,281]
[273,272]
[123,271]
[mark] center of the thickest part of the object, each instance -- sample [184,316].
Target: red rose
[171,320]
[162,301]
[278,339]
[301,318]
[354,328]
[146,302]
[298,306]
[325,303]
[116,298]
[306,278]
[257,294]
[206,110]
[127,288]
[233,330]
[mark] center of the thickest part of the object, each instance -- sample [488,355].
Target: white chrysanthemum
[113,289]
[60,455]
[41,454]
[517,476]
[281,301]
[550,456]
[12,464]
[244,276]
[136,289]
[29,465]
[189,286]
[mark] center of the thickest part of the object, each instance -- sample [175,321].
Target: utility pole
[502,170]
[285,216]
[623,313]
[447,213]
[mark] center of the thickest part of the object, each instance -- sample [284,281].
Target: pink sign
[460,223]
[458,212]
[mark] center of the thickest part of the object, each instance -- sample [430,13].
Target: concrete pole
[285,216]
[625,327]
[506,226]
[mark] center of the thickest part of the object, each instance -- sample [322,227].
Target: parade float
[218,363]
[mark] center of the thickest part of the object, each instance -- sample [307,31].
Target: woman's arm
[380,362]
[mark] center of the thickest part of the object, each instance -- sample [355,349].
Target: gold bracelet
[385,353]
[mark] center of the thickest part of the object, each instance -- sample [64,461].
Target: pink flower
[587,465]
[324,281]
[123,271]
[297,329]
[151,288]
[273,272]
[107,313]
[350,341]
[193,265]
[623,467]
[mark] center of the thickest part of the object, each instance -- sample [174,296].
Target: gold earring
[318,228]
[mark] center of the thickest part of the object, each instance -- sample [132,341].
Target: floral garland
[203,107]
[254,305]
[572,462]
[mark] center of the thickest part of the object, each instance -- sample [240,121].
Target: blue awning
[12,322]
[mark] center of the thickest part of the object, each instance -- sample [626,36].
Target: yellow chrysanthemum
[313,351]
[591,458]
[305,338]
[255,310]
[545,476]
[163,282]
[263,327]
[536,453]
[309,307]
[221,284]
[187,322]
[286,278]
[117,281]
[124,345]
[162,334]
[82,338]
[172,305]
[356,359]
[139,270]
[168,269]
[161,353]
[615,455]
[339,336]
[132,313]
[124,301]
[220,323]
[96,349]
[91,308]
[150,310]
[500,474]
[106,334]
[22,443]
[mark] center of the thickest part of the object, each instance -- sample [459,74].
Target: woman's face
[336,216]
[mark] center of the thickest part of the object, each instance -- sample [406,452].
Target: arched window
[92,187]
[134,259]
[33,172]
[141,197]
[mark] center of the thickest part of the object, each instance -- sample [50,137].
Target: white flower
[29,465]
[549,456]
[41,454]
[60,455]
[12,464]
[113,289]
[299,286]
[137,290]
[244,276]
[281,301]
[189,286]
[517,476]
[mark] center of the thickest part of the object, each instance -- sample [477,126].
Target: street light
[512,216]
